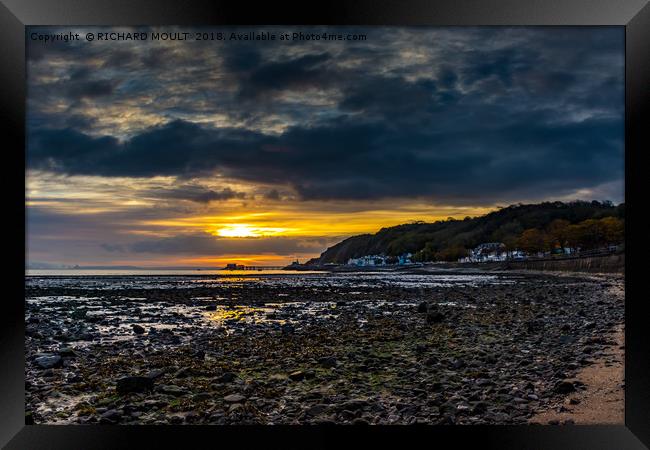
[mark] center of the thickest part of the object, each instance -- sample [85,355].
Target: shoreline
[610,263]
[600,399]
[602,402]
[490,348]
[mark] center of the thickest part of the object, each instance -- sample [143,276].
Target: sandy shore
[602,401]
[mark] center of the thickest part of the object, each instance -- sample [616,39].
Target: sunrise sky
[185,153]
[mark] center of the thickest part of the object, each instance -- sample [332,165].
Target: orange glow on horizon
[133,213]
[247,230]
[290,222]
[248,260]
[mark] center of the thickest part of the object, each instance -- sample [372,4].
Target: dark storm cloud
[69,151]
[447,77]
[260,80]
[82,84]
[354,159]
[498,111]
[119,58]
[502,65]
[92,88]
[195,193]
[391,97]
[157,58]
[240,59]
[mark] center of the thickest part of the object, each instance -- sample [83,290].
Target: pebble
[234,398]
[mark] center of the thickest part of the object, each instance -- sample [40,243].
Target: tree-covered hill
[450,238]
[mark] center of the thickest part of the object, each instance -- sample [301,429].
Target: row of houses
[380,260]
[490,251]
[486,252]
[496,251]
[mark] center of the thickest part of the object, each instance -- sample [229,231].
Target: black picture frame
[634,15]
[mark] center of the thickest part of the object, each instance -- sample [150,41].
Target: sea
[169,279]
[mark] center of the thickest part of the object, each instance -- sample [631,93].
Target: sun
[237,230]
[246,230]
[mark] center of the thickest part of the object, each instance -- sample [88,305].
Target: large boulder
[354,404]
[67,352]
[435,316]
[565,387]
[49,361]
[327,361]
[111,416]
[226,377]
[126,385]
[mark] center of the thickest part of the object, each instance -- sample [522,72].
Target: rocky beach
[447,347]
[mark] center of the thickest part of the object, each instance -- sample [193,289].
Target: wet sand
[603,400]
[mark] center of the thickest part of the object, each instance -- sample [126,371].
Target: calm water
[116,279]
[161,272]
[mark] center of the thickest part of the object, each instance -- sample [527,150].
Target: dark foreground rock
[49,361]
[126,385]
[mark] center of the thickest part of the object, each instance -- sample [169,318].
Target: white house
[369,260]
[380,260]
[492,251]
[489,251]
